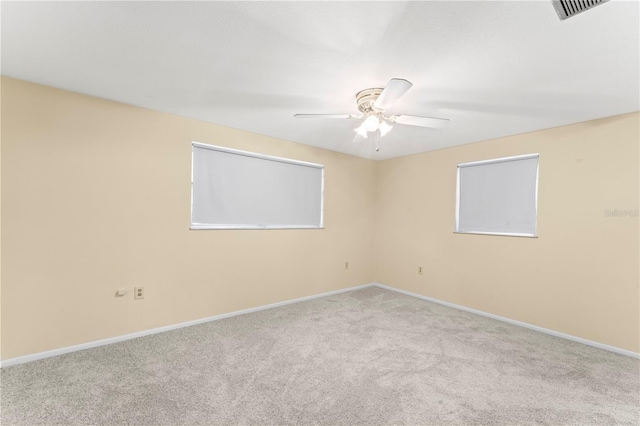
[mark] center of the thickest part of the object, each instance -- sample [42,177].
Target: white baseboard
[519,323]
[116,339]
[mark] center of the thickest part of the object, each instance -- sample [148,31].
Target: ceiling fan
[373,103]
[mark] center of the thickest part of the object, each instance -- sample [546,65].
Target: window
[233,189]
[498,197]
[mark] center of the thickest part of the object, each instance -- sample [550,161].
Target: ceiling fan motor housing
[366,98]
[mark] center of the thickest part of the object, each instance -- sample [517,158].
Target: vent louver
[568,8]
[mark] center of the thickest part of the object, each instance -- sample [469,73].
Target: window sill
[498,234]
[251,227]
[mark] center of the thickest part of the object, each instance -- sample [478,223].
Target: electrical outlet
[346,265]
[138,292]
[420,270]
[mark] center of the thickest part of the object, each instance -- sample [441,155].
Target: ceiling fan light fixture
[362,131]
[371,123]
[384,128]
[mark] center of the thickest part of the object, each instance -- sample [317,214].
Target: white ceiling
[493,68]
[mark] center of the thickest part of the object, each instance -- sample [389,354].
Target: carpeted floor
[367,357]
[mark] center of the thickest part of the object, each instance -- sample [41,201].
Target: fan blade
[394,90]
[413,120]
[325,116]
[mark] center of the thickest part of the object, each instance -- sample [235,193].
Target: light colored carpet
[366,357]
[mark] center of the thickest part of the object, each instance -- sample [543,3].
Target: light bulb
[371,123]
[384,128]
[362,131]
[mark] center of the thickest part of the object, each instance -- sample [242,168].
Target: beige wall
[1,81]
[96,196]
[579,277]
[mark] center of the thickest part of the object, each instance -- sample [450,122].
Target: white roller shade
[498,196]
[238,189]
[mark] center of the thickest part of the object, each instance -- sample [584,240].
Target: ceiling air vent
[568,8]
